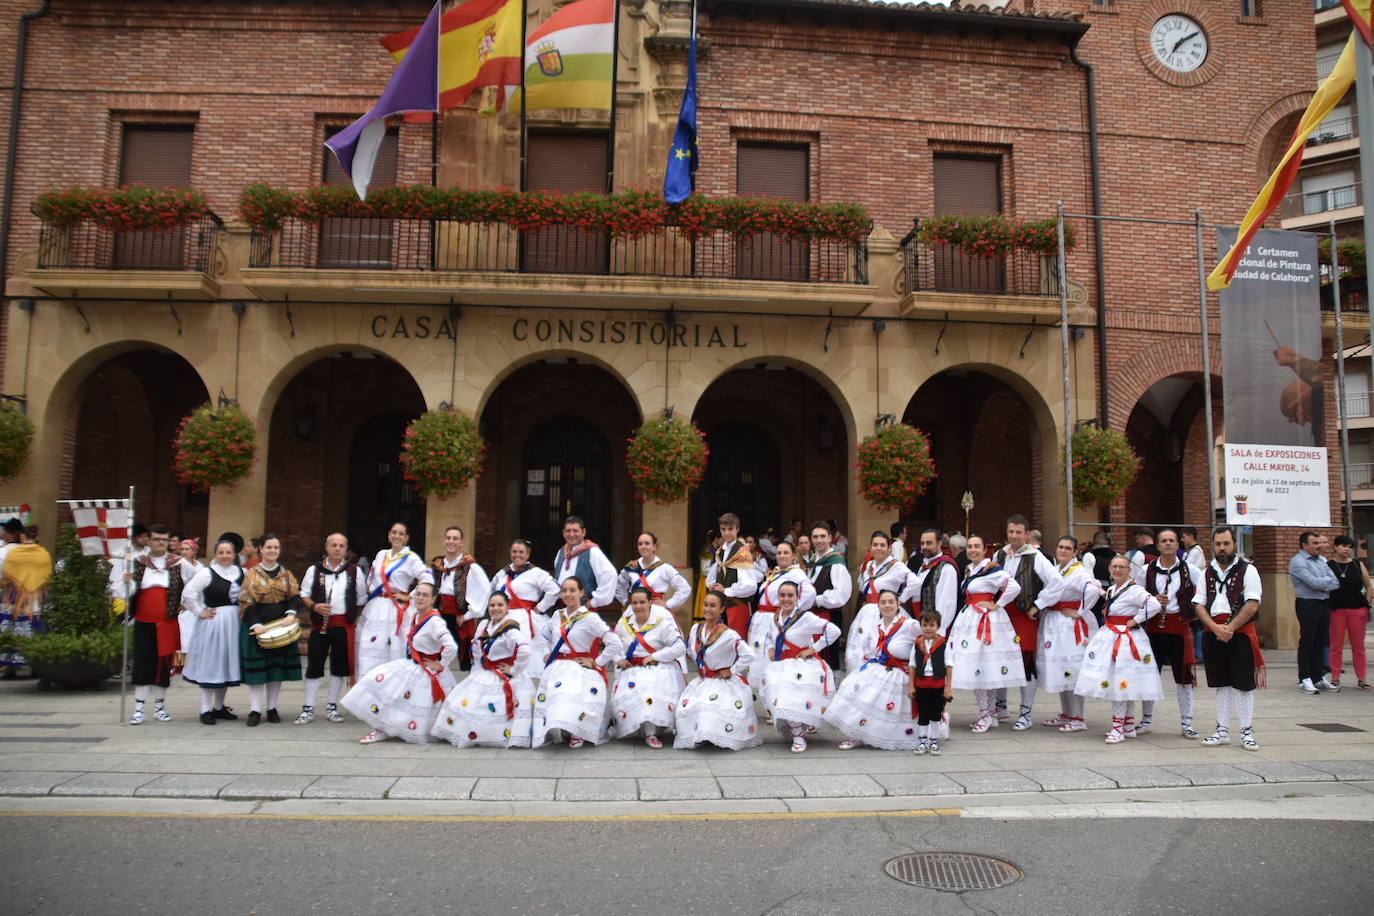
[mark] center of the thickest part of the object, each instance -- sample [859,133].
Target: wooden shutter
[967,187]
[359,243]
[154,156]
[778,171]
[569,163]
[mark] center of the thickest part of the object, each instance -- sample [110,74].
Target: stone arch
[1167,429]
[976,416]
[1261,135]
[270,393]
[1133,375]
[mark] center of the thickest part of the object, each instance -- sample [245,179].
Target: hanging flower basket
[895,467]
[1104,465]
[215,447]
[16,435]
[667,460]
[441,452]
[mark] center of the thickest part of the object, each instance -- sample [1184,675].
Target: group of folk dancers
[546,667]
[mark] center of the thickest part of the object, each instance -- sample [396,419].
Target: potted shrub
[81,643]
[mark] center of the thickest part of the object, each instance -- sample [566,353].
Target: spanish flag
[1328,94]
[479,45]
[568,59]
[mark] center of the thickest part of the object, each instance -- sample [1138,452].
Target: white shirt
[1171,579]
[1251,589]
[335,586]
[899,549]
[1044,570]
[946,588]
[476,592]
[530,584]
[605,573]
[841,585]
[156,577]
[890,575]
[768,591]
[980,580]
[582,633]
[1130,600]
[746,584]
[1194,556]
[664,579]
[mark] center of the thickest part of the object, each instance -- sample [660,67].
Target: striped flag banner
[102,525]
[20,512]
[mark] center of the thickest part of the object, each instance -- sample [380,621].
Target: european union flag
[682,156]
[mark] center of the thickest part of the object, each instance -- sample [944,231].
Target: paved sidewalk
[61,743]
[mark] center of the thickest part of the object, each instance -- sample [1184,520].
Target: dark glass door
[378,493]
[566,471]
[742,476]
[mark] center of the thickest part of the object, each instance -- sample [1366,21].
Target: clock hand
[1178,44]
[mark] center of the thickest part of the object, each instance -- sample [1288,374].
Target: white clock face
[1179,43]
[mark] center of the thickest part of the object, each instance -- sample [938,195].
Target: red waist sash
[984,632]
[436,690]
[1080,626]
[494,667]
[791,651]
[151,607]
[564,654]
[1121,626]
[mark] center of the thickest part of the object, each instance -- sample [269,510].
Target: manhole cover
[952,871]
[1329,727]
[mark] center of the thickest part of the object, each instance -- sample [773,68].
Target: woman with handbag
[269,597]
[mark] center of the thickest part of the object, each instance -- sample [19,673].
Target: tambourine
[279,633]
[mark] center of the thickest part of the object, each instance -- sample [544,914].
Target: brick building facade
[866,102]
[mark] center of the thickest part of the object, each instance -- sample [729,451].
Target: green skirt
[266,666]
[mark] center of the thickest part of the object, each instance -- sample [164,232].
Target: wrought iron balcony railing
[952,269]
[441,245]
[88,246]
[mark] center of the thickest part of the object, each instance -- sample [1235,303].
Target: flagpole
[1341,417]
[128,569]
[524,18]
[610,133]
[1364,101]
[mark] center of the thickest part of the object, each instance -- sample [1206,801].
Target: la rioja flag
[102,525]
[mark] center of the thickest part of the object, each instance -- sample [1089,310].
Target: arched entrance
[1168,432]
[332,457]
[556,433]
[984,438]
[777,441]
[120,431]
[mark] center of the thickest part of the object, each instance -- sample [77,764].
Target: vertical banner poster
[1274,384]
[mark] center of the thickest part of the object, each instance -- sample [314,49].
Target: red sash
[737,615]
[492,666]
[400,608]
[871,587]
[1080,626]
[791,651]
[984,631]
[151,607]
[1121,626]
[436,690]
[592,654]
[467,629]
[1252,634]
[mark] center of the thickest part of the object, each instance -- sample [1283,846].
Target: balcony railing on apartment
[1330,199]
[952,269]
[88,246]
[1332,130]
[441,245]
[1361,476]
[1319,5]
[1356,403]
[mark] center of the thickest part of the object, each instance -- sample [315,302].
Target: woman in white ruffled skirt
[718,707]
[797,684]
[492,706]
[1118,665]
[649,678]
[402,699]
[573,694]
[984,649]
[872,706]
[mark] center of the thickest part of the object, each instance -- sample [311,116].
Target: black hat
[140,529]
[233,538]
[13,525]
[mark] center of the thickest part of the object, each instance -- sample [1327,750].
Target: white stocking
[312,689]
[273,694]
[1245,708]
[1147,710]
[255,692]
[985,702]
[1185,703]
[1076,706]
[207,699]
[1223,709]
[220,694]
[140,693]
[335,689]
[159,694]
[1028,698]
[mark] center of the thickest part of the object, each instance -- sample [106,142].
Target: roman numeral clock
[1174,44]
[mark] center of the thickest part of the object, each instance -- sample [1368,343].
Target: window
[154,156]
[1326,59]
[1250,8]
[967,187]
[358,243]
[777,171]
[1331,191]
[1338,125]
[570,163]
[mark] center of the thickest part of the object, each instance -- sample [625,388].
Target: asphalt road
[197,866]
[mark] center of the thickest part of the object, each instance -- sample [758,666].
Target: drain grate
[952,871]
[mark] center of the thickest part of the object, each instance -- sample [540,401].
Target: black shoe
[225,712]
[207,718]
[272,716]
[254,718]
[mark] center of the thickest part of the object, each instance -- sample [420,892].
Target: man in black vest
[1032,571]
[936,581]
[734,575]
[463,588]
[834,585]
[1173,582]
[1227,606]
[333,591]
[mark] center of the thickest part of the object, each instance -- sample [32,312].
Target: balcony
[1361,475]
[357,259]
[1332,130]
[1312,209]
[1319,5]
[1012,286]
[154,264]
